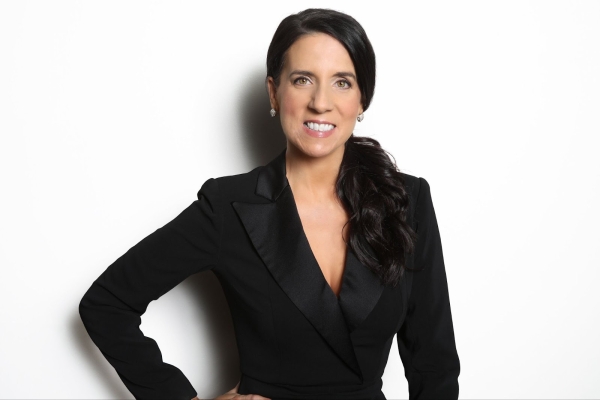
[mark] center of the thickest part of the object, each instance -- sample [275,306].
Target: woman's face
[318,98]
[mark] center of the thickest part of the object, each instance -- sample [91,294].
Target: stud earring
[360,117]
[273,112]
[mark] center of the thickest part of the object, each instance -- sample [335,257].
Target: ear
[272,88]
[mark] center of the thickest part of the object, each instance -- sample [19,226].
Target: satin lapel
[361,290]
[275,230]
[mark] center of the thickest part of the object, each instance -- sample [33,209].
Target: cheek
[290,105]
[350,108]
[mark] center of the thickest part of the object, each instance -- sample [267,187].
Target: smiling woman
[317,96]
[324,254]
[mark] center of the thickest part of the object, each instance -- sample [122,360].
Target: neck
[314,176]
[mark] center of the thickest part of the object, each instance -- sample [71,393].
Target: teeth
[319,127]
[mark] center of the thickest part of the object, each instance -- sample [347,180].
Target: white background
[113,114]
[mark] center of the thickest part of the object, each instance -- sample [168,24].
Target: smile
[319,127]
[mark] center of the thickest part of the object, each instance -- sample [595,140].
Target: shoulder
[411,183]
[419,193]
[414,185]
[240,187]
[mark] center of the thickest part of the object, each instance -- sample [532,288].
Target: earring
[360,117]
[273,112]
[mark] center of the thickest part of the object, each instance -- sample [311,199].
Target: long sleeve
[426,338]
[111,309]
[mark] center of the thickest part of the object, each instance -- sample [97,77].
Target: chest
[325,227]
[280,296]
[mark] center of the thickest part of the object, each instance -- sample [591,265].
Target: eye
[301,81]
[343,84]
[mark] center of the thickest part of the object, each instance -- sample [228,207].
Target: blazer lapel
[361,290]
[276,232]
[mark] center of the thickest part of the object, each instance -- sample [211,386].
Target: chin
[318,150]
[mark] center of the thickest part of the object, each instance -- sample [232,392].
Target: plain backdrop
[113,114]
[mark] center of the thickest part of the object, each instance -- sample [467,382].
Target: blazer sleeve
[426,338]
[111,309]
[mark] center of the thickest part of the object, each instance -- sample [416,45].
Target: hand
[233,394]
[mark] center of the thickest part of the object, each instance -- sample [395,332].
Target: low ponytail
[372,190]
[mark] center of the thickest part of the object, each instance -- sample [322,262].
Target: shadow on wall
[261,134]
[220,351]
[262,139]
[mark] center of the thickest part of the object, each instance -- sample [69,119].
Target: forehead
[318,52]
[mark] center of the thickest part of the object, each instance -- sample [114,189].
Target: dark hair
[342,27]
[369,184]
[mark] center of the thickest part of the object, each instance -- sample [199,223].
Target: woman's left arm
[426,338]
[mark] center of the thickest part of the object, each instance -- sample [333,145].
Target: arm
[112,307]
[426,338]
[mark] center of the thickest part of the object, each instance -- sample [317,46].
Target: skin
[233,394]
[317,83]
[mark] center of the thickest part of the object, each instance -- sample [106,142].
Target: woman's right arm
[111,309]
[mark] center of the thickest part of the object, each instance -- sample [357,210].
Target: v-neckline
[276,234]
[322,275]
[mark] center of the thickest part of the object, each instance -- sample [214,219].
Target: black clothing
[296,339]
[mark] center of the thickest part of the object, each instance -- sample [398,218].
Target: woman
[324,254]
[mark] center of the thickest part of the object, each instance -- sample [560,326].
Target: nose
[321,100]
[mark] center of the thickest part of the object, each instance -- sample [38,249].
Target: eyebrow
[338,74]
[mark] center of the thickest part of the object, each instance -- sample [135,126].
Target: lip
[318,134]
[319,121]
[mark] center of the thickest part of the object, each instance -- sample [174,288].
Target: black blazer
[296,339]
